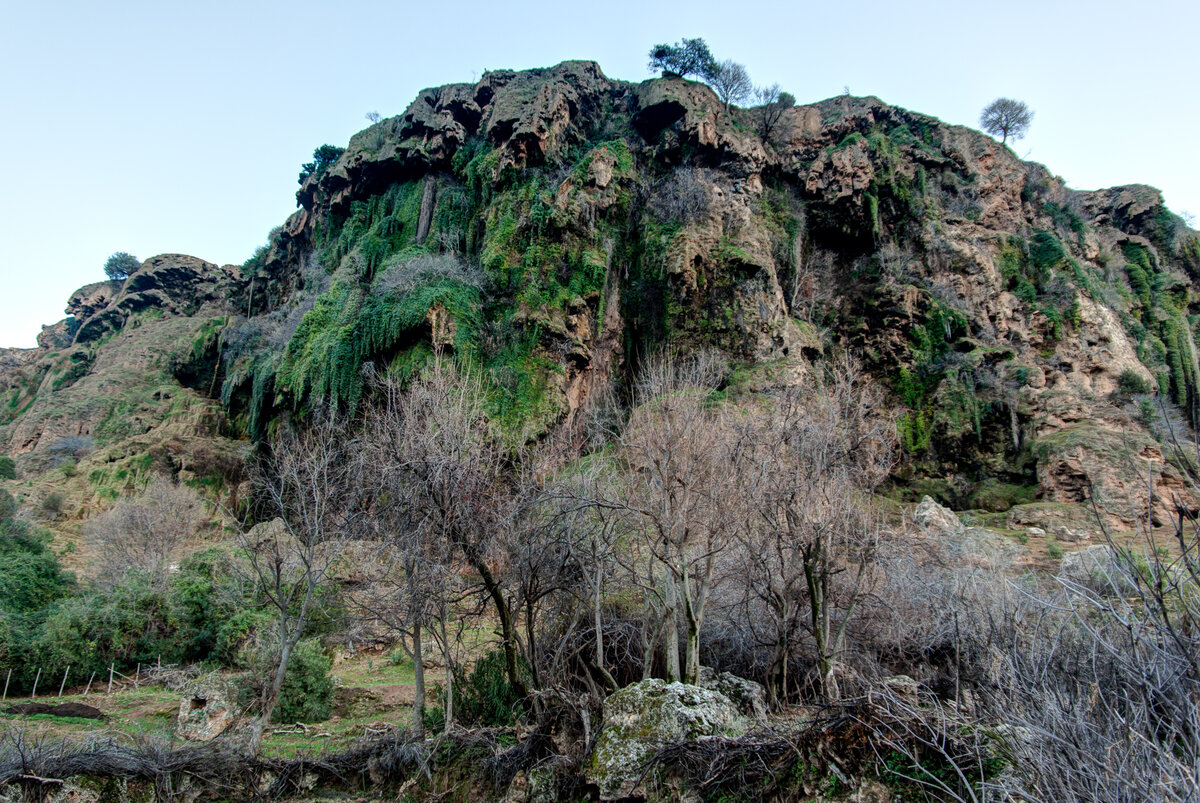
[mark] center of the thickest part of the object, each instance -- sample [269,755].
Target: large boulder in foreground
[641,718]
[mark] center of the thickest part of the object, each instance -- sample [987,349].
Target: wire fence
[156,673]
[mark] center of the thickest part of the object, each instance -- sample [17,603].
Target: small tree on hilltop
[772,111]
[1006,117]
[731,82]
[121,265]
[323,157]
[687,57]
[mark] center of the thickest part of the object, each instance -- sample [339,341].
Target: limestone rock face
[887,225]
[170,284]
[206,710]
[749,696]
[997,306]
[643,717]
[936,519]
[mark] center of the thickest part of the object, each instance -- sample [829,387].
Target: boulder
[643,717]
[935,519]
[207,709]
[1099,569]
[983,548]
[749,697]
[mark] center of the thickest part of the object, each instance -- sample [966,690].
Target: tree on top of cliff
[121,265]
[684,58]
[731,82]
[1006,117]
[323,157]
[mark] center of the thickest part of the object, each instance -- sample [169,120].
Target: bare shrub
[147,532]
[68,449]
[771,115]
[309,483]
[682,197]
[814,456]
[402,274]
[731,82]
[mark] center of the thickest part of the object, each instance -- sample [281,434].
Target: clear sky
[155,127]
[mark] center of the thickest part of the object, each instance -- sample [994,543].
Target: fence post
[6,680]
[89,686]
[35,683]
[63,685]
[137,677]
[110,673]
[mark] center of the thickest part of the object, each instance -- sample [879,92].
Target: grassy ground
[380,694]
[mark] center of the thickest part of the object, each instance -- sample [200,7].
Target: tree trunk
[691,672]
[819,619]
[598,624]
[448,712]
[529,638]
[418,656]
[671,626]
[260,725]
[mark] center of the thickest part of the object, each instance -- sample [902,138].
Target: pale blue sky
[170,127]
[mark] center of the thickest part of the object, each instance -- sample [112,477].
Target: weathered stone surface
[643,717]
[936,519]
[538,785]
[207,709]
[170,284]
[749,696]
[983,548]
[1097,568]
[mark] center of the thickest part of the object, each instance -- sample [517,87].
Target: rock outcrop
[936,519]
[1099,569]
[1023,328]
[972,282]
[206,709]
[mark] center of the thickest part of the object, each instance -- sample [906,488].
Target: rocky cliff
[553,226]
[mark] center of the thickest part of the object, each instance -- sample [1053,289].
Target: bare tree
[818,451]
[731,82]
[682,458]
[373,117]
[772,112]
[412,568]
[463,485]
[147,532]
[592,529]
[309,483]
[1006,117]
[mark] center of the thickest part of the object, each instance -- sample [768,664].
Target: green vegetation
[207,613]
[307,692]
[1053,550]
[684,58]
[1131,383]
[323,157]
[484,697]
[8,469]
[121,265]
